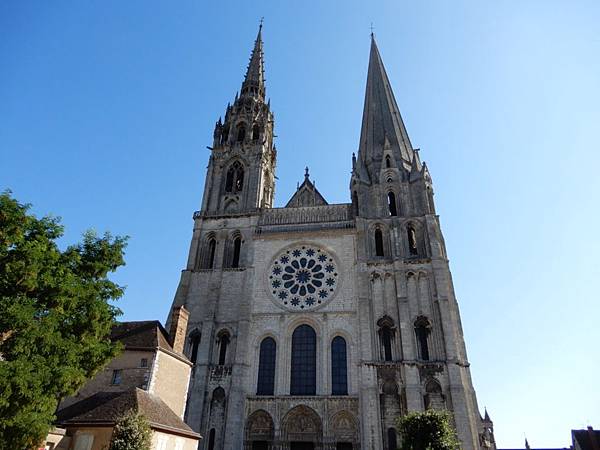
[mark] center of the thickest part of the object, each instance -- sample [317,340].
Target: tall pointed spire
[254,81]
[381,118]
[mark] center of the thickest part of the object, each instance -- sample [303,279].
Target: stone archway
[344,430]
[259,431]
[300,428]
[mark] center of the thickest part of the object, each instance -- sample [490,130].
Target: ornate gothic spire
[381,119]
[254,81]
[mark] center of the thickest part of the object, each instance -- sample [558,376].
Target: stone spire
[254,81]
[381,121]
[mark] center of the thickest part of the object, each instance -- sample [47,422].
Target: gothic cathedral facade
[316,325]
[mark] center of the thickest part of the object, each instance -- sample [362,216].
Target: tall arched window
[234,182]
[388,162]
[255,133]
[339,367]
[237,246]
[212,247]
[378,243]
[266,367]
[211,439]
[223,344]
[355,202]
[412,240]
[392,441]
[422,330]
[304,361]
[392,204]
[194,343]
[386,343]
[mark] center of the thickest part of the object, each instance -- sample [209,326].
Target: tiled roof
[144,334]
[106,408]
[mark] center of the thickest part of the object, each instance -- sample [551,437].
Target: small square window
[116,377]
[144,362]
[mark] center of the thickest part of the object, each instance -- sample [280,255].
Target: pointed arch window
[223,344]
[211,249]
[388,162]
[412,240]
[386,343]
[304,361]
[378,242]
[194,343]
[392,204]
[255,133]
[339,367]
[355,202]
[266,367]
[234,182]
[422,331]
[237,247]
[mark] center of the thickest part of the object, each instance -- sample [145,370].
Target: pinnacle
[255,74]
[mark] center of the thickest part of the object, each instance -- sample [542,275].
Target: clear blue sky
[107,107]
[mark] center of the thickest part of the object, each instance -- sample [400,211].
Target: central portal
[302,446]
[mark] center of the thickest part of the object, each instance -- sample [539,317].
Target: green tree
[55,318]
[428,430]
[132,432]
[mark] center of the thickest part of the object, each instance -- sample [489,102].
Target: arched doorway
[259,431]
[344,431]
[302,429]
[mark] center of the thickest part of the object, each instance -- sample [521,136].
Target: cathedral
[317,325]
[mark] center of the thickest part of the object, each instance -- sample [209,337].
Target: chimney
[179,322]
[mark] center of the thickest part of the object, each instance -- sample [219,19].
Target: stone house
[150,376]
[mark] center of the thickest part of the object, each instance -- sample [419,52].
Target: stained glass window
[266,367]
[339,367]
[304,277]
[304,361]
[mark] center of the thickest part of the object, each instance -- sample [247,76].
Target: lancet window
[194,343]
[339,367]
[234,181]
[413,246]
[378,242]
[223,341]
[422,332]
[392,204]
[304,361]
[266,367]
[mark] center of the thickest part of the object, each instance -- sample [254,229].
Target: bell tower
[240,175]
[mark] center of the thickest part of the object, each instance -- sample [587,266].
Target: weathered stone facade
[373,272]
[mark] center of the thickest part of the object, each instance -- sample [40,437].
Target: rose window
[303,277]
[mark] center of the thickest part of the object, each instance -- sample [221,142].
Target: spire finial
[306,172]
[372,33]
[262,19]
